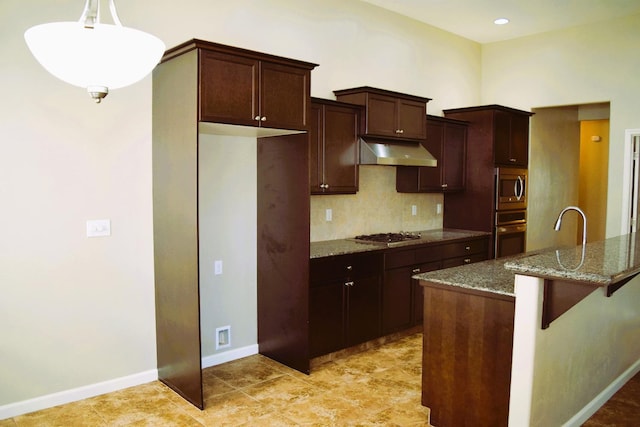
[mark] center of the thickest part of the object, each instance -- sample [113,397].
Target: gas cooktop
[388,239]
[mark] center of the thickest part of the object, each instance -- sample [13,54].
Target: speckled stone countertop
[485,276]
[599,263]
[346,246]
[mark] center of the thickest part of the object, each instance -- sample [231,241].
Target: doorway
[555,172]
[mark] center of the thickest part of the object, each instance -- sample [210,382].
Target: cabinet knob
[263,118]
[445,185]
[415,270]
[348,284]
[467,260]
[399,131]
[326,186]
[513,160]
[467,248]
[349,267]
[256,118]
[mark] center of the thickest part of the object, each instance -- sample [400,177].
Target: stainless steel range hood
[394,153]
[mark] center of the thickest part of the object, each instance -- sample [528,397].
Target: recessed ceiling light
[501,21]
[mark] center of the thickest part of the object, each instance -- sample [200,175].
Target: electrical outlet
[414,210]
[223,337]
[217,267]
[328,214]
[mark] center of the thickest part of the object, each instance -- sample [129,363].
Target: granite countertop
[485,276]
[346,246]
[599,263]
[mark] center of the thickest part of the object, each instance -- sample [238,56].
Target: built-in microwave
[511,189]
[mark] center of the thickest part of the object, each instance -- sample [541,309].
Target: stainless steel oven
[511,189]
[510,233]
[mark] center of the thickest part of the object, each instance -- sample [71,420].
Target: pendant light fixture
[96,56]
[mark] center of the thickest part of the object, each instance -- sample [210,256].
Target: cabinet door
[381,116]
[454,158]
[519,140]
[411,120]
[417,296]
[340,149]
[432,179]
[396,299]
[316,149]
[284,96]
[228,88]
[326,318]
[502,137]
[363,315]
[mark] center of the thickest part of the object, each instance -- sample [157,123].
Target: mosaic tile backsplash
[376,208]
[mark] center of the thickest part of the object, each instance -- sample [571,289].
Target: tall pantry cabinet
[206,88]
[497,136]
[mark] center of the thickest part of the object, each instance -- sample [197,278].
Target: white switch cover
[329,214]
[98,227]
[218,267]
[414,210]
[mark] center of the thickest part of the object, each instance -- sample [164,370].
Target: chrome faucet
[584,221]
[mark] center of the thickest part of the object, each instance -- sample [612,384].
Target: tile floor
[379,387]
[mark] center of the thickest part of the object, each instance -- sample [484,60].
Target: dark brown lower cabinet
[466,357]
[344,298]
[402,301]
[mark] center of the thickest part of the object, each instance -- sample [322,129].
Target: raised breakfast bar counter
[490,345]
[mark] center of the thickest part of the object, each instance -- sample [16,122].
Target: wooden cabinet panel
[344,301]
[389,114]
[326,318]
[396,299]
[241,88]
[447,142]
[467,347]
[333,147]
[284,99]
[228,88]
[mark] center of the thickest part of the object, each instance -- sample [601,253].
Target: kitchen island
[542,338]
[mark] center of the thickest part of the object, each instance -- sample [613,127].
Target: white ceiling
[473,19]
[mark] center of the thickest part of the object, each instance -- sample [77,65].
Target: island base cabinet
[466,365]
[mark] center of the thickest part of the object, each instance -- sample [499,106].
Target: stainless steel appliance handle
[519,187]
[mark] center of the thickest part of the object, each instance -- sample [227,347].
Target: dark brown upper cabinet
[333,147]
[387,113]
[503,130]
[447,141]
[241,87]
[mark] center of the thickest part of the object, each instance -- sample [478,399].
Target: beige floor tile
[73,414]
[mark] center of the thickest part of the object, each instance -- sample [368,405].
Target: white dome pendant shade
[95,56]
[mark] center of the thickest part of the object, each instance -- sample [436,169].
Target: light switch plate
[98,227]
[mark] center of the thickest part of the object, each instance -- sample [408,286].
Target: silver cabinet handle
[512,160]
[348,284]
[415,270]
[445,185]
[467,248]
[467,260]
[349,267]
[263,119]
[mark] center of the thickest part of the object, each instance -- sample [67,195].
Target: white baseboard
[91,390]
[228,356]
[602,398]
[75,394]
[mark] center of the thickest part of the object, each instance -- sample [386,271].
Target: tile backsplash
[376,208]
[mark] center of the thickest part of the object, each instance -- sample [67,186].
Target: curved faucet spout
[584,221]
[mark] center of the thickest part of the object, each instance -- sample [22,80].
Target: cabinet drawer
[460,249]
[399,259]
[455,262]
[344,267]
